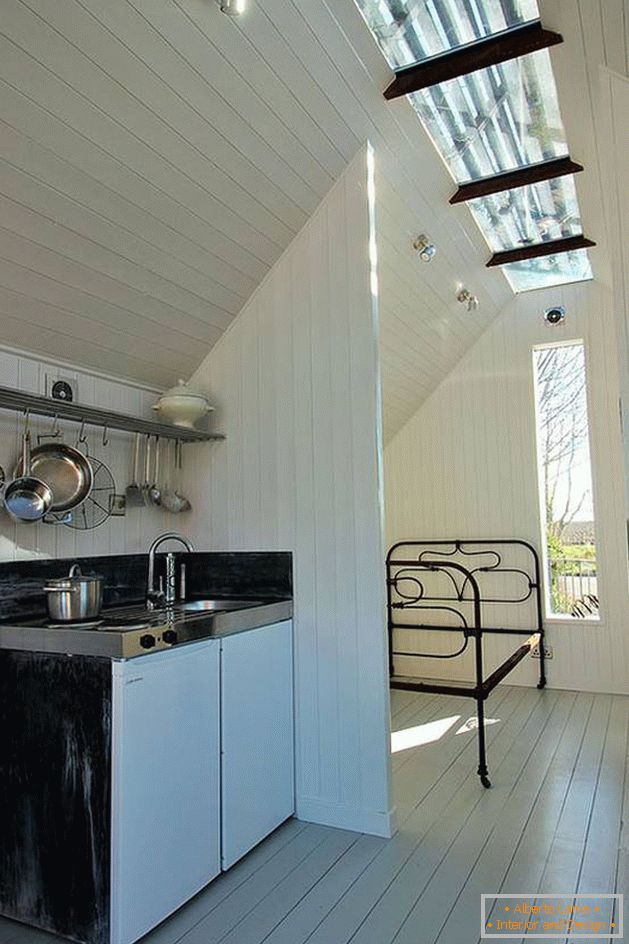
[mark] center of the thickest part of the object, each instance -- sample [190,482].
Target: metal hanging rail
[20,401]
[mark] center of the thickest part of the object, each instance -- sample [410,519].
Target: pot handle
[75,571]
[61,589]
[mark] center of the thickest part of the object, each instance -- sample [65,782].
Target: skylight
[549,270]
[495,120]
[512,218]
[411,31]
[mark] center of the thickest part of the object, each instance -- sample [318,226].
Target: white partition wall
[465,466]
[295,382]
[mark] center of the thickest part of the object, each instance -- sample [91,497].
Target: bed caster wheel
[486,782]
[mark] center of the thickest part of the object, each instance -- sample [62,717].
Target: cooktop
[128,632]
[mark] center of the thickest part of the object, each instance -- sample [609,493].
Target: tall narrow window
[565,481]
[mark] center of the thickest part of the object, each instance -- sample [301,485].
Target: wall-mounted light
[233,7]
[465,297]
[555,315]
[427,250]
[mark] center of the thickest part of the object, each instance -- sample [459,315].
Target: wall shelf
[20,401]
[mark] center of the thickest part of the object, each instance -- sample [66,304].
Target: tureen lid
[181,389]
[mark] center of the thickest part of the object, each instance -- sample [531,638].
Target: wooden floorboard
[556,819]
[490,865]
[429,880]
[431,824]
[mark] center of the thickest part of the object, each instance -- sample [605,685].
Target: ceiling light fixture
[465,297]
[427,250]
[233,7]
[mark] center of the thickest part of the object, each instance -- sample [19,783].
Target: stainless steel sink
[213,606]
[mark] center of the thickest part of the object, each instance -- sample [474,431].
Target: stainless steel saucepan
[75,598]
[27,497]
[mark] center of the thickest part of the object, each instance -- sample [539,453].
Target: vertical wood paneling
[465,466]
[614,104]
[295,379]
[119,535]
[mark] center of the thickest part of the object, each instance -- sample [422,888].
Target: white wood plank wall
[295,381]
[119,535]
[465,466]
[613,116]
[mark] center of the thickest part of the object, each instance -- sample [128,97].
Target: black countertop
[259,581]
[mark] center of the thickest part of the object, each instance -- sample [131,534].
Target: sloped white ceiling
[156,158]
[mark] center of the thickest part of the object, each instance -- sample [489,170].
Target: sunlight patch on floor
[472,724]
[421,734]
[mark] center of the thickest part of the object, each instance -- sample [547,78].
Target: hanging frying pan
[65,470]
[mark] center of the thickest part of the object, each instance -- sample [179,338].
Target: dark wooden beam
[513,179]
[550,248]
[510,44]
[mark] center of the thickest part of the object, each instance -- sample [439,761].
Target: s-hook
[54,433]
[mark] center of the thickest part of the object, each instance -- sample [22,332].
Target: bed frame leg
[542,663]
[483,773]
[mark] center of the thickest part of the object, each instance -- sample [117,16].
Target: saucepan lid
[74,577]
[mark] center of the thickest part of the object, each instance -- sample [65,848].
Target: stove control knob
[147,641]
[169,636]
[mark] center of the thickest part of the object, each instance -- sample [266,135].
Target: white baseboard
[373,822]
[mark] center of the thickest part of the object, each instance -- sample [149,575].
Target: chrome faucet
[156,598]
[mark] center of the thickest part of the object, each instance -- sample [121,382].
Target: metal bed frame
[410,565]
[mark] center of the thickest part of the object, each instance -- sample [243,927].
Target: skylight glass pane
[490,122]
[549,270]
[410,31]
[542,211]
[496,119]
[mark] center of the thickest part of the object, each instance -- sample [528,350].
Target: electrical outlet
[548,651]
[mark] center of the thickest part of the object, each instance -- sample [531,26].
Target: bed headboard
[464,584]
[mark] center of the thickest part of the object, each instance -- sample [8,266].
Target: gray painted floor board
[555,820]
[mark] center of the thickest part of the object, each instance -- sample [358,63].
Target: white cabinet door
[165,784]
[257,737]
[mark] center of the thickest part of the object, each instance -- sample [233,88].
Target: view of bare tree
[563,433]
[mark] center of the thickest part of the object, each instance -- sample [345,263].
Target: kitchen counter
[146,752]
[125,630]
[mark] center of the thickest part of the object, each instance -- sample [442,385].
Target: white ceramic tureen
[182,405]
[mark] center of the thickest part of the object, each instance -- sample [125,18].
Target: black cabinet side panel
[55,788]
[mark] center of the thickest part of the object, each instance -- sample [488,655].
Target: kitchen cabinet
[128,784]
[165,784]
[257,737]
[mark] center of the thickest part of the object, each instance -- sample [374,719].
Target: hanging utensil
[65,470]
[155,492]
[27,498]
[146,487]
[185,504]
[134,496]
[171,501]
